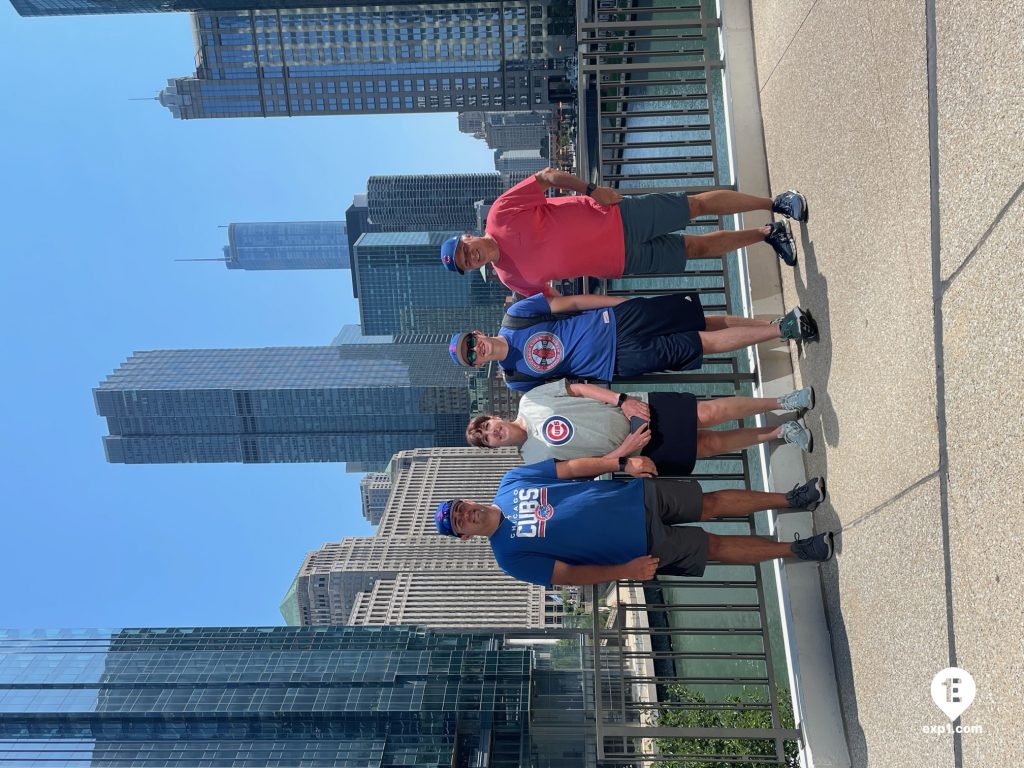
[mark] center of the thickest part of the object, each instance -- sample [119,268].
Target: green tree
[724,718]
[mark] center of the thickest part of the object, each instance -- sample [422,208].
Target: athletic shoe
[796,433]
[780,238]
[793,205]
[818,547]
[798,325]
[797,400]
[807,496]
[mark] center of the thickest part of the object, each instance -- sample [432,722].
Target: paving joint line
[890,501]
[984,238]
[931,50]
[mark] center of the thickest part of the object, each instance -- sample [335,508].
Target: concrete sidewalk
[911,262]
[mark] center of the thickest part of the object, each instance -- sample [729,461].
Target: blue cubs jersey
[544,519]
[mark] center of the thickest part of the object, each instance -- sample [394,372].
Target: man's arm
[583,303]
[580,469]
[551,177]
[639,569]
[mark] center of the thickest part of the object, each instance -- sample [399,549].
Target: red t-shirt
[544,239]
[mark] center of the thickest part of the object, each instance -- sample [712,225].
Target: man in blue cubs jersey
[598,337]
[546,529]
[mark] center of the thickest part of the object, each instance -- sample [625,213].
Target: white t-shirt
[561,426]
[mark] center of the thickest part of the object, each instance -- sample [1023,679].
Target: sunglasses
[470,348]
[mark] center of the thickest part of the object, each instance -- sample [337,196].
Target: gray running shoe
[796,433]
[798,325]
[807,496]
[780,238]
[793,205]
[818,547]
[798,400]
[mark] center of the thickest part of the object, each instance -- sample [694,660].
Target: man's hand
[631,408]
[641,568]
[641,466]
[635,441]
[606,196]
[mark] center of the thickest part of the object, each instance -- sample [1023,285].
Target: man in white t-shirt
[561,420]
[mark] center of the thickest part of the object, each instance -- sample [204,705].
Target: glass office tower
[95,7]
[429,202]
[287,245]
[377,59]
[351,697]
[354,403]
[406,290]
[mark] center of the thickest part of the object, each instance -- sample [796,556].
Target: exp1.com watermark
[953,690]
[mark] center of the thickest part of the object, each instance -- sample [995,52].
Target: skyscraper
[355,402]
[95,7]
[429,202]
[374,489]
[378,58]
[403,289]
[405,573]
[287,245]
[345,697]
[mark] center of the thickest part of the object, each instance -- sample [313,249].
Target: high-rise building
[374,489]
[397,57]
[403,288]
[518,163]
[344,697]
[278,245]
[357,221]
[95,7]
[516,129]
[355,402]
[353,334]
[405,573]
[490,394]
[429,202]
[287,245]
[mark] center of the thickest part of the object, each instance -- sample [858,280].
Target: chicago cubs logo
[542,351]
[532,512]
[557,430]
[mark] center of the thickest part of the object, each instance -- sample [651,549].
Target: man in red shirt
[531,239]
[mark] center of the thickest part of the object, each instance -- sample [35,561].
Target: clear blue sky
[99,194]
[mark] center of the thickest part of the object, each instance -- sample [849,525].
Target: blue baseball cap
[448,254]
[443,518]
[456,351]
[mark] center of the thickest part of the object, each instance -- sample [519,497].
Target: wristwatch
[622,399]
[622,463]
[590,190]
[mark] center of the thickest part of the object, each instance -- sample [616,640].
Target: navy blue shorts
[673,445]
[648,222]
[659,334]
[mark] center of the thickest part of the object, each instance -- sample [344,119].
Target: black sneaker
[797,325]
[807,496]
[793,205]
[780,238]
[819,548]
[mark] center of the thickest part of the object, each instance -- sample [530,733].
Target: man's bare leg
[736,503]
[721,322]
[745,550]
[723,201]
[730,339]
[723,241]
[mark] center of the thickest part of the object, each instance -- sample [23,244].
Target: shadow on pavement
[816,369]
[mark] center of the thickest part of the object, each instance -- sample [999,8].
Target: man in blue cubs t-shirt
[597,337]
[546,529]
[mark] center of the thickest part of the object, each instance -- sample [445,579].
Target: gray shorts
[683,551]
[647,224]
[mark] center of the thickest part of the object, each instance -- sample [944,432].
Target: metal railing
[683,668]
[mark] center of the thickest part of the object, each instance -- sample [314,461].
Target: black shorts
[673,445]
[659,334]
[681,550]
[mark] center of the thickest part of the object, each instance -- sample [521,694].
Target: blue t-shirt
[582,345]
[590,522]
